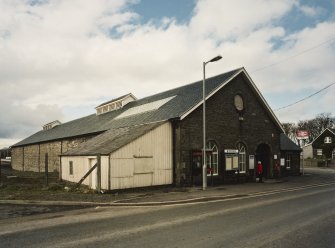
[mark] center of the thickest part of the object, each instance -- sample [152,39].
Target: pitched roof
[331,130]
[116,99]
[111,140]
[171,104]
[286,144]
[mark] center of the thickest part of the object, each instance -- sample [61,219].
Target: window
[288,160]
[212,158]
[328,140]
[241,157]
[319,152]
[71,168]
[151,106]
[238,102]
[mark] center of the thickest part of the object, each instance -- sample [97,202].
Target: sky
[59,59]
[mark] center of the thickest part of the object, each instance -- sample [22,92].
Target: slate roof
[332,130]
[111,140]
[185,98]
[286,144]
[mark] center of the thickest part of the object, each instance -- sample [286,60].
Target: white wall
[146,161]
[81,165]
[307,151]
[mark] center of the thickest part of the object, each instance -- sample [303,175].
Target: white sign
[302,134]
[230,151]
[251,162]
[282,162]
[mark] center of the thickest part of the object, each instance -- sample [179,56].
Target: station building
[158,140]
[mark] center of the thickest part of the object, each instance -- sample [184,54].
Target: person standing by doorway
[260,171]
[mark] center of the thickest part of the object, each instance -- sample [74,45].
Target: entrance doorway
[263,155]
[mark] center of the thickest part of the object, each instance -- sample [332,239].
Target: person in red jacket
[260,171]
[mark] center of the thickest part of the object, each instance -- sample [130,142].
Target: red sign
[302,134]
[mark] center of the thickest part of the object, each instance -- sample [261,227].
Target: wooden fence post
[46,169]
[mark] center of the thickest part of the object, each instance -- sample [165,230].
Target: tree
[317,125]
[290,129]
[314,126]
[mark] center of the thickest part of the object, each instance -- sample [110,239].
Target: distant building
[322,146]
[157,140]
[5,153]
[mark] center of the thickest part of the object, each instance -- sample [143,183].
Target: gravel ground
[27,187]
[20,192]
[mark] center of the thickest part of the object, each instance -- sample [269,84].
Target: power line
[305,97]
[295,55]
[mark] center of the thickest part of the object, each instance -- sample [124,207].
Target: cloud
[72,55]
[19,121]
[235,19]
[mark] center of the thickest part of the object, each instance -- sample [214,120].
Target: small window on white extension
[71,168]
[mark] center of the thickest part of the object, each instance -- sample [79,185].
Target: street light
[204,167]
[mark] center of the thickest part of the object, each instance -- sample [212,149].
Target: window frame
[212,159]
[328,140]
[71,168]
[288,159]
[242,157]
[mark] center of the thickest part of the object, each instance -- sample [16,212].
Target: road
[300,217]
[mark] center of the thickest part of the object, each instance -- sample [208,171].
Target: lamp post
[204,167]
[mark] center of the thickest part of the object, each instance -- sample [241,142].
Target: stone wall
[225,127]
[54,150]
[32,157]
[17,158]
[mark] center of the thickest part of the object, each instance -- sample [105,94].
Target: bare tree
[290,129]
[314,126]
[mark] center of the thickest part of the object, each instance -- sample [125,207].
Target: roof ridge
[189,84]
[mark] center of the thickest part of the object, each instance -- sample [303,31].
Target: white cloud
[235,19]
[60,54]
[309,11]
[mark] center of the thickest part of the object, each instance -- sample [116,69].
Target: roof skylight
[151,106]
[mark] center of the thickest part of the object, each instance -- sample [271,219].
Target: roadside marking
[122,233]
[219,198]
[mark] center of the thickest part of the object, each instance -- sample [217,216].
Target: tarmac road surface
[301,217]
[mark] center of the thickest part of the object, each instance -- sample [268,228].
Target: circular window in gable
[238,102]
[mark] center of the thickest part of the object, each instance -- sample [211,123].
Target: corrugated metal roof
[184,98]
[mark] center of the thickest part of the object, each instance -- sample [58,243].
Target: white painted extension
[145,161]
